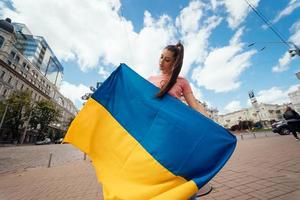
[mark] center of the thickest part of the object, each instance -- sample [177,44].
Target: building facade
[295,99]
[38,52]
[264,113]
[28,63]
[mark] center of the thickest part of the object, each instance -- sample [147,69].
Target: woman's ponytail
[178,51]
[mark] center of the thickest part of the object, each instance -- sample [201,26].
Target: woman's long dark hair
[178,52]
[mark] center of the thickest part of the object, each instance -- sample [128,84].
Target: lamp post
[298,75]
[294,51]
[26,124]
[93,89]
[2,119]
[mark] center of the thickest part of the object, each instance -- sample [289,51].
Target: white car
[45,141]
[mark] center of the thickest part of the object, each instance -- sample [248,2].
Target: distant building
[264,113]
[28,63]
[295,99]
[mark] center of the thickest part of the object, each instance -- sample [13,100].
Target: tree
[17,112]
[43,114]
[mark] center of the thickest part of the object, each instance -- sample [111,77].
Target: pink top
[181,87]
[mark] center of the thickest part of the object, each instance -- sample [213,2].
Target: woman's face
[166,61]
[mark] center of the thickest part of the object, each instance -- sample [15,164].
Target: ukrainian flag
[143,147]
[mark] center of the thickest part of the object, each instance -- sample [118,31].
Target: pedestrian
[293,120]
[169,81]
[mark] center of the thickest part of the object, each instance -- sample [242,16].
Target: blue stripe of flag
[181,139]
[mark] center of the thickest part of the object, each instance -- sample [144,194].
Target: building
[38,52]
[28,63]
[264,113]
[295,99]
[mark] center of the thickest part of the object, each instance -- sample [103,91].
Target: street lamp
[295,51]
[298,75]
[93,89]
[3,116]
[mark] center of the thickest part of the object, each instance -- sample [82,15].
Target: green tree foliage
[17,112]
[43,114]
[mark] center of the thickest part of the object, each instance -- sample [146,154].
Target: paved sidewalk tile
[262,168]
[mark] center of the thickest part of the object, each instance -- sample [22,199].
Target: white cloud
[293,5]
[233,106]
[148,43]
[292,88]
[283,63]
[195,32]
[223,66]
[237,11]
[236,39]
[74,29]
[189,17]
[74,92]
[103,73]
[196,43]
[295,30]
[93,32]
[214,4]
[286,59]
[275,95]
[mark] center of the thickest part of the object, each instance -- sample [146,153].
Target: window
[4,92]
[24,64]
[1,41]
[12,54]
[9,79]
[17,58]
[2,74]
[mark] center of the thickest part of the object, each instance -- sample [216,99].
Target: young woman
[169,81]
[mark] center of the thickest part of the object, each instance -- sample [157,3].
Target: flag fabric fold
[143,147]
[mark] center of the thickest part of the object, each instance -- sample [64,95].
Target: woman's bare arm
[191,101]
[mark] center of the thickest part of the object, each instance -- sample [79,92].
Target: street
[18,158]
[263,167]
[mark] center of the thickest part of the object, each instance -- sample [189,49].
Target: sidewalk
[262,168]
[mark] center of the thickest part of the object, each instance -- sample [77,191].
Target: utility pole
[32,106]
[2,120]
[25,129]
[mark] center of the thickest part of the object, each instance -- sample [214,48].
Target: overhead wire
[268,23]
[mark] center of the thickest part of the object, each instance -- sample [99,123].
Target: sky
[92,37]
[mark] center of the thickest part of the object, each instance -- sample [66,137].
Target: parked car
[281,127]
[59,141]
[45,141]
